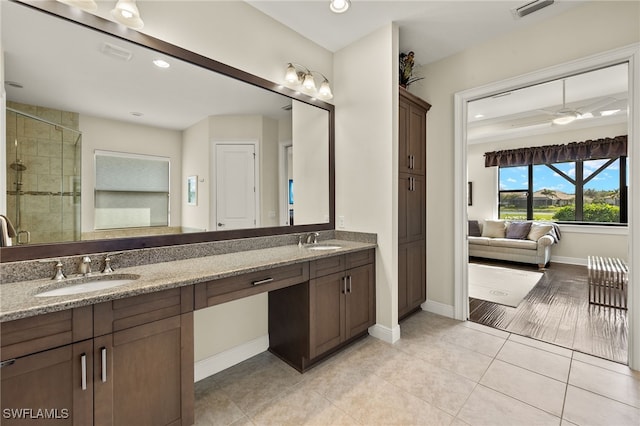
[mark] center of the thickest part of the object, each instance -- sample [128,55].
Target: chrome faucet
[85,266]
[107,265]
[59,276]
[312,238]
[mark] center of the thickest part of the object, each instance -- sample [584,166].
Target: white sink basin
[87,284]
[323,247]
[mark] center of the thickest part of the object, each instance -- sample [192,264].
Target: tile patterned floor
[442,372]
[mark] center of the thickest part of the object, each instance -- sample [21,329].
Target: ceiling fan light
[126,12]
[565,118]
[339,6]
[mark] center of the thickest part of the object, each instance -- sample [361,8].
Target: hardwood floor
[557,311]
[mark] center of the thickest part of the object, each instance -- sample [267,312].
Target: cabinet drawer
[29,335]
[129,312]
[226,289]
[360,258]
[333,264]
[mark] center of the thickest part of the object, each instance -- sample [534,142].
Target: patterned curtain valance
[549,154]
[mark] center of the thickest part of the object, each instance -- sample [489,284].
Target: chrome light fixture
[339,6]
[126,12]
[86,5]
[301,75]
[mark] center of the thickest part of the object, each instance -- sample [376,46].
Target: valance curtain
[549,154]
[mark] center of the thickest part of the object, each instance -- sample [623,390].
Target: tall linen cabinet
[412,126]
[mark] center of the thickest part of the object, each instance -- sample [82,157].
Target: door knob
[220,224]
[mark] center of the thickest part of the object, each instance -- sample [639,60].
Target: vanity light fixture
[339,6]
[126,12]
[298,74]
[86,5]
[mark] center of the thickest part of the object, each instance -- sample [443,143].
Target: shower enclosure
[43,174]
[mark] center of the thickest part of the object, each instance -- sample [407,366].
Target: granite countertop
[18,300]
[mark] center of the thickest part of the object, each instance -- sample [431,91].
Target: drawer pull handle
[104,364]
[266,280]
[83,364]
[7,363]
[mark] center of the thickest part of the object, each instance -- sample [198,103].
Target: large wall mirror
[106,150]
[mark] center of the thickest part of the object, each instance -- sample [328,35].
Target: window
[589,191]
[131,190]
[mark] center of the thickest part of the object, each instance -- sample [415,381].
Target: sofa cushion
[493,229]
[538,230]
[481,241]
[513,243]
[518,230]
[474,229]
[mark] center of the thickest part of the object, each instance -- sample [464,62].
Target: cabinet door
[416,139]
[360,306]
[48,387]
[411,276]
[139,374]
[403,136]
[327,313]
[412,208]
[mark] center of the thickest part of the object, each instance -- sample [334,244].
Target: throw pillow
[474,228]
[493,229]
[538,230]
[518,230]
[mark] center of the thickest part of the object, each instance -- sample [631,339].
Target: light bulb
[291,76]
[325,90]
[308,82]
[126,12]
[339,6]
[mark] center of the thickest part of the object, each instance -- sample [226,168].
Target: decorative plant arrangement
[406,70]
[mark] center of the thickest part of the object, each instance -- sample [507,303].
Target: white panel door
[235,186]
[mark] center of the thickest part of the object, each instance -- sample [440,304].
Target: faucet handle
[107,265]
[59,274]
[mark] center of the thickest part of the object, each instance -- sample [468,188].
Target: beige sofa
[496,242]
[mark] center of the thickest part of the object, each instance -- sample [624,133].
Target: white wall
[577,33]
[310,159]
[111,135]
[367,156]
[195,162]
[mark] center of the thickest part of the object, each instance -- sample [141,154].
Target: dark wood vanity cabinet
[337,305]
[133,363]
[412,123]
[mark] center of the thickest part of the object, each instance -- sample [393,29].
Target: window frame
[579,181]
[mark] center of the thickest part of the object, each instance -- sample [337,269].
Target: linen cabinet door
[411,208]
[49,387]
[327,313]
[138,374]
[360,306]
[412,277]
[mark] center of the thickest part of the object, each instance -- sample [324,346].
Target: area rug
[504,286]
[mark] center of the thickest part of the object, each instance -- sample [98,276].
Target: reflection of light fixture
[339,6]
[126,12]
[87,5]
[565,117]
[298,74]
[161,63]
[609,112]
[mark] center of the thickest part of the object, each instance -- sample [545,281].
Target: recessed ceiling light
[339,6]
[161,63]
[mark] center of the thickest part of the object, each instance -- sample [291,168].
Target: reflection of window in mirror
[131,191]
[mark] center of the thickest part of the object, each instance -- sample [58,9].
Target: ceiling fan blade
[596,105]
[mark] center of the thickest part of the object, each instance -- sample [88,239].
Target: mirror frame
[48,250]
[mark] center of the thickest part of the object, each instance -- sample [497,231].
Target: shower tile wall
[50,202]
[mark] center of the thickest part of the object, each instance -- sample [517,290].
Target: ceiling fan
[567,115]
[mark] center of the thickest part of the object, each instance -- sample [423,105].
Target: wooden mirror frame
[47,250]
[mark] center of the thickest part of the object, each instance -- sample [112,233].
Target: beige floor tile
[458,422]
[475,340]
[487,407]
[449,356]
[241,422]
[585,408]
[485,329]
[212,406]
[620,387]
[445,390]
[541,345]
[606,364]
[301,405]
[534,389]
[537,360]
[377,402]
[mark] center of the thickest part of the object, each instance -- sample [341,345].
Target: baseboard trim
[386,334]
[223,360]
[569,260]
[438,308]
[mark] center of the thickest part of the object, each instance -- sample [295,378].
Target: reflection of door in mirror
[285,179]
[236,196]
